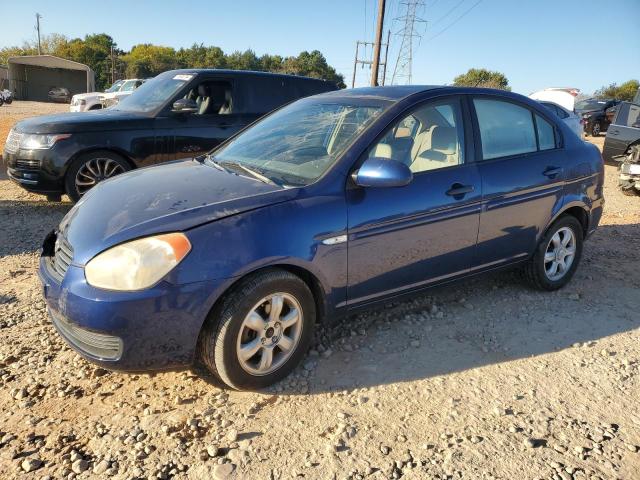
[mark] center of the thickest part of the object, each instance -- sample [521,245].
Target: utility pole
[358,60]
[38,17]
[377,43]
[113,67]
[386,54]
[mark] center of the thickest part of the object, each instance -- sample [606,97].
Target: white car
[97,100]
[561,101]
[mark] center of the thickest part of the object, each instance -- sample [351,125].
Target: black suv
[178,114]
[592,113]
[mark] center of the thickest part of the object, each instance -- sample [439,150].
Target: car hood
[588,111]
[84,96]
[76,122]
[559,97]
[173,197]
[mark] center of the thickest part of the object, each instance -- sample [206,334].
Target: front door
[406,237]
[186,135]
[522,169]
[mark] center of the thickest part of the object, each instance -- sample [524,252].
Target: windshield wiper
[251,172]
[212,161]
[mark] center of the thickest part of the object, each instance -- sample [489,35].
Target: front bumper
[153,329]
[37,171]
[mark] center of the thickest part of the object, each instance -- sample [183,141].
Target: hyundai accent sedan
[332,204]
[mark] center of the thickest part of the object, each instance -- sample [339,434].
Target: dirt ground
[485,379]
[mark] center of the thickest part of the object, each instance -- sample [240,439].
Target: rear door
[624,130]
[522,169]
[406,237]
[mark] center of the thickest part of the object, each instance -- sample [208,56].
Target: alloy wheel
[94,171]
[269,334]
[560,253]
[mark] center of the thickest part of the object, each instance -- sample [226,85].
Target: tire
[595,129]
[225,332]
[1,101]
[630,192]
[8,100]
[535,271]
[105,163]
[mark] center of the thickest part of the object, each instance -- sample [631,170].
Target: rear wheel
[557,256]
[260,332]
[90,169]
[595,129]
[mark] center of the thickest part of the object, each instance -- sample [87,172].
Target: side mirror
[382,172]
[185,105]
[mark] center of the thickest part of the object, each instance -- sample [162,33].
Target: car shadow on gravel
[25,223]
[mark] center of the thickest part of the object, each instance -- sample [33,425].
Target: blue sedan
[331,204]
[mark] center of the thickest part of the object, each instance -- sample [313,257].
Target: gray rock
[31,464]
[80,466]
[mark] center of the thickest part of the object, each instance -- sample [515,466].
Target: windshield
[297,144]
[129,86]
[114,87]
[590,104]
[153,94]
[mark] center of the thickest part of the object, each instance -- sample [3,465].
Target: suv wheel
[557,256]
[595,129]
[90,169]
[260,331]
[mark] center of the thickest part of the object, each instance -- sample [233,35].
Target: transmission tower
[409,34]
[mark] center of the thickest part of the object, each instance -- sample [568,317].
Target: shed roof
[48,61]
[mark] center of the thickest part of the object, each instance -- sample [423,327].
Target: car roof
[390,93]
[395,93]
[238,73]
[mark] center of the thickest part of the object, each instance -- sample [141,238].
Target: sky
[536,44]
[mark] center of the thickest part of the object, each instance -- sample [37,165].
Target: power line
[455,21]
[448,13]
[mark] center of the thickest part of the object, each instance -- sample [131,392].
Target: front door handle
[459,190]
[552,172]
[614,132]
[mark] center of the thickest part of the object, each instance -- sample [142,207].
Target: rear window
[546,135]
[505,128]
[508,129]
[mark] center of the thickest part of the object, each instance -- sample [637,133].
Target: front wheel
[260,332]
[90,169]
[8,100]
[595,129]
[557,256]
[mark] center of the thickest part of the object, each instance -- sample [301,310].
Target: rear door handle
[614,132]
[458,190]
[551,172]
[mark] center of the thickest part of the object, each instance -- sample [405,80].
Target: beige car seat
[443,151]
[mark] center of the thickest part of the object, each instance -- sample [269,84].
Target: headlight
[138,264]
[31,141]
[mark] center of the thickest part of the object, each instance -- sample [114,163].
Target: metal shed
[32,77]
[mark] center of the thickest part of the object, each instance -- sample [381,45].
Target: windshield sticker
[183,77]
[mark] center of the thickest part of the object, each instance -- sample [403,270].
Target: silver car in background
[561,101]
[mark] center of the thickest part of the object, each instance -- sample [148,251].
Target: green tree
[480,77]
[625,91]
[147,60]
[94,50]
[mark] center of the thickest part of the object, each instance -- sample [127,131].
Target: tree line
[147,60]
[480,77]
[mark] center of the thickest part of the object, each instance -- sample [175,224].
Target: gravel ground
[482,379]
